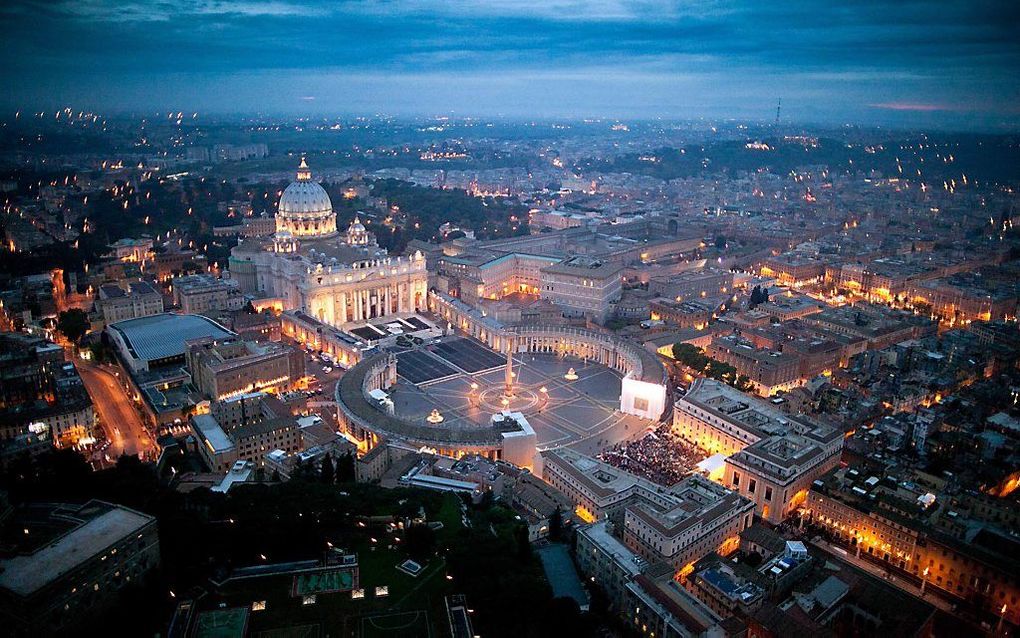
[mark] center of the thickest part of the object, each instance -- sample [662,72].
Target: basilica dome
[305,209]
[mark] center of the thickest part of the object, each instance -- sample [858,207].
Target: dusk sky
[950,63]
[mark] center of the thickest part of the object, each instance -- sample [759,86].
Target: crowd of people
[659,456]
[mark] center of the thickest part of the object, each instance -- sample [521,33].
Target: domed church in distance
[334,278]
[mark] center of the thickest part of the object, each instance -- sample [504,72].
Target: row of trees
[695,358]
[328,472]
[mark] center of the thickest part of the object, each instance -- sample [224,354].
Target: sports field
[410,624]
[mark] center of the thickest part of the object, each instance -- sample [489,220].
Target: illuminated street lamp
[924,580]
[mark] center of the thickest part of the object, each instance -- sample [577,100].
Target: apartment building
[246,427]
[203,293]
[676,525]
[224,368]
[772,458]
[93,552]
[583,286]
[132,300]
[768,370]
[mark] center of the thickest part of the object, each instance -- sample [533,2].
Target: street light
[924,580]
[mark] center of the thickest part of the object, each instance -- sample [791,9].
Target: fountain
[571,375]
[434,417]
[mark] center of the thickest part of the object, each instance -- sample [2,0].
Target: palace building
[771,458]
[308,266]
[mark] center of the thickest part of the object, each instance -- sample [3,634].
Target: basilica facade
[335,278]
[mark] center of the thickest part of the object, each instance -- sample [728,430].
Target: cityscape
[469,319]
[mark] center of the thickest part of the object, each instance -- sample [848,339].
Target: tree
[345,469]
[327,473]
[420,542]
[743,384]
[523,542]
[720,242]
[691,356]
[556,524]
[755,296]
[73,324]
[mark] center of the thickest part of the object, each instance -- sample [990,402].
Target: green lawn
[410,624]
[449,516]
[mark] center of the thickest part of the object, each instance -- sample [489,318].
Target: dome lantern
[304,173]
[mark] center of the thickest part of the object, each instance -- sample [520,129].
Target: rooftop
[162,336]
[581,265]
[99,525]
[782,442]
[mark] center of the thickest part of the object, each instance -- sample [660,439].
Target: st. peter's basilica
[310,266]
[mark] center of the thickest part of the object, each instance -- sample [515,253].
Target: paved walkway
[562,575]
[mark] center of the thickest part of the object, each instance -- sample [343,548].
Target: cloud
[907,106]
[838,53]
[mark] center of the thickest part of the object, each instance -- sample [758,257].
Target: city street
[117,415]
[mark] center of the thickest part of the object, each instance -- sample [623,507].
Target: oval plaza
[502,392]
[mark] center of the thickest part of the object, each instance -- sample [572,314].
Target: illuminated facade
[911,531]
[677,524]
[583,286]
[305,208]
[793,271]
[225,368]
[769,371]
[316,335]
[333,279]
[772,458]
[964,299]
[473,277]
[135,299]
